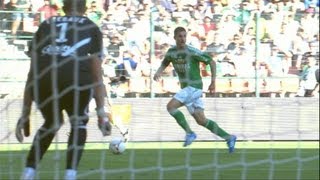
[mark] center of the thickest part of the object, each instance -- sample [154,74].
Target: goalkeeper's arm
[99,88]
[24,121]
[99,96]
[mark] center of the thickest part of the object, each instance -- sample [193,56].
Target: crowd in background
[288,33]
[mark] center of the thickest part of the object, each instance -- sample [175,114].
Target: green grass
[282,160]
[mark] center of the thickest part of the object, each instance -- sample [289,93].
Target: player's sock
[181,120]
[213,127]
[28,173]
[70,174]
[76,143]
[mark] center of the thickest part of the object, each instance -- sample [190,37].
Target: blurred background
[263,48]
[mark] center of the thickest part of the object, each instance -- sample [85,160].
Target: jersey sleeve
[32,48]
[39,34]
[97,43]
[202,56]
[167,59]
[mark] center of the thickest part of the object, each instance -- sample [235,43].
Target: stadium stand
[293,34]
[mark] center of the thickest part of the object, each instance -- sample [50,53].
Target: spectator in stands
[311,5]
[228,26]
[208,24]
[284,41]
[3,16]
[2,4]
[47,10]
[300,47]
[275,63]
[213,43]
[119,12]
[298,6]
[307,23]
[243,63]
[228,68]
[127,65]
[115,46]
[291,26]
[50,8]
[314,45]
[309,85]
[95,13]
[201,11]
[276,22]
[22,8]
[217,8]
[242,13]
[217,53]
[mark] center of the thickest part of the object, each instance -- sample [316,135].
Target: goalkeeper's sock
[181,120]
[28,173]
[70,174]
[213,127]
[76,142]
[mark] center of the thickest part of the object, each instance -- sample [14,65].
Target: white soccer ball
[117,146]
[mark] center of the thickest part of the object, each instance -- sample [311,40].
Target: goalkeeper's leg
[78,134]
[76,144]
[41,141]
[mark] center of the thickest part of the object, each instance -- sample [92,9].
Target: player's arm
[100,95]
[212,86]
[27,98]
[207,59]
[23,123]
[162,67]
[99,88]
[100,92]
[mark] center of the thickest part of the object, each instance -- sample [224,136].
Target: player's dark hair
[71,6]
[179,29]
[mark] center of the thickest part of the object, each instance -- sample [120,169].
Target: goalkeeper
[185,60]
[65,73]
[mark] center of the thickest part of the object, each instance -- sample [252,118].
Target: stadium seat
[137,85]
[242,87]
[157,86]
[273,86]
[223,87]
[289,86]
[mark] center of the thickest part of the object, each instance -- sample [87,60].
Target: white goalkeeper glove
[104,123]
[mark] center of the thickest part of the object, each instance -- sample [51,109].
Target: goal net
[278,138]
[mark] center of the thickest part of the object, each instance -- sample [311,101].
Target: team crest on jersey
[181,58]
[180,63]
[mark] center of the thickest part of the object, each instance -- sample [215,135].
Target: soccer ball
[117,146]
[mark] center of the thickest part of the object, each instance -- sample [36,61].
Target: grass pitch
[202,160]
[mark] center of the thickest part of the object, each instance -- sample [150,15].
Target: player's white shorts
[190,97]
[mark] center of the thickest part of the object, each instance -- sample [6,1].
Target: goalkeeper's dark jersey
[60,50]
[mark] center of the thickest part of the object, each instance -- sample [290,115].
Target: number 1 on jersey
[62,33]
